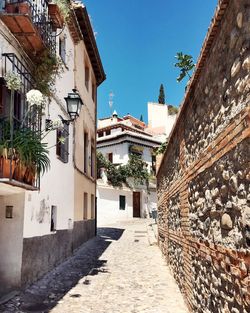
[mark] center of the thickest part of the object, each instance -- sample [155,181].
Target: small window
[110,157]
[86,143]
[122,202]
[108,132]
[92,159]
[53,218]
[92,206]
[62,146]
[85,206]
[100,134]
[87,77]
[62,48]
[154,164]
[93,92]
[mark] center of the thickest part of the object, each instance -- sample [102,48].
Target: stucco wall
[108,205]
[159,121]
[203,180]
[86,122]
[108,211]
[11,243]
[121,152]
[60,175]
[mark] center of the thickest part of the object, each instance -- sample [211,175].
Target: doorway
[136,204]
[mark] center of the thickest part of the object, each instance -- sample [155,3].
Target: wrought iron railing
[39,14]
[9,167]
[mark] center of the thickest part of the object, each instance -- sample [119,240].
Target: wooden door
[136,204]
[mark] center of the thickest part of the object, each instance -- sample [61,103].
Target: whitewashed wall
[11,241]
[108,211]
[57,185]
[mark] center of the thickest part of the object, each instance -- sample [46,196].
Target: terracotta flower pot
[23,8]
[19,172]
[10,8]
[6,171]
[29,177]
[55,15]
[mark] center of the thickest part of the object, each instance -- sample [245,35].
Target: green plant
[172,110]
[13,81]
[64,7]
[161,98]
[47,68]
[162,147]
[5,142]
[185,64]
[31,152]
[135,169]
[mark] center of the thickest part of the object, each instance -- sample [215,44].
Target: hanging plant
[35,97]
[13,81]
[64,7]
[48,68]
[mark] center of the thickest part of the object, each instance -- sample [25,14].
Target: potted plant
[31,154]
[17,8]
[23,8]
[7,154]
[59,12]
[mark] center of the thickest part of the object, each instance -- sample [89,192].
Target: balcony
[14,174]
[30,23]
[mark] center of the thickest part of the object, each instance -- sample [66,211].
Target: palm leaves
[31,151]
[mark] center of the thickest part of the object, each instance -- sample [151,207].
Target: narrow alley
[119,271]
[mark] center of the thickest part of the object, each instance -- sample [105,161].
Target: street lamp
[74,104]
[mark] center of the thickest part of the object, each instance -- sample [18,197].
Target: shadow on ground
[44,294]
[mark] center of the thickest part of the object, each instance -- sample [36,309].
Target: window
[86,143]
[93,92]
[1,99]
[62,48]
[110,157]
[92,206]
[153,164]
[87,77]
[122,202]
[92,159]
[85,205]
[108,132]
[62,143]
[100,134]
[18,110]
[53,218]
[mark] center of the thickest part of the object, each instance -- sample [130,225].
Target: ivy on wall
[136,169]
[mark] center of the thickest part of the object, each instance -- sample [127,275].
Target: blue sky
[137,41]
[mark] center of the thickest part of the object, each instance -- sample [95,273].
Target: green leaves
[185,64]
[117,175]
[161,98]
[162,147]
[31,151]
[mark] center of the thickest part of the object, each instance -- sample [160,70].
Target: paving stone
[109,274]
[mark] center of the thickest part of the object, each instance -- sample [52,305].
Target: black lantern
[74,104]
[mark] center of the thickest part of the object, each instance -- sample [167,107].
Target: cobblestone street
[116,272]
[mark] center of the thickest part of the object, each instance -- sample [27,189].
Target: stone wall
[204,176]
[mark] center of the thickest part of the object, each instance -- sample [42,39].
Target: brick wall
[204,176]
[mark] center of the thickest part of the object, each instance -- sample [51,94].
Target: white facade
[160,122]
[108,203]
[116,141]
[28,236]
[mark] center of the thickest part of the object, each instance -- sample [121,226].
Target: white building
[43,220]
[160,120]
[116,139]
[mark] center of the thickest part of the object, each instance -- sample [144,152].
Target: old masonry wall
[204,176]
